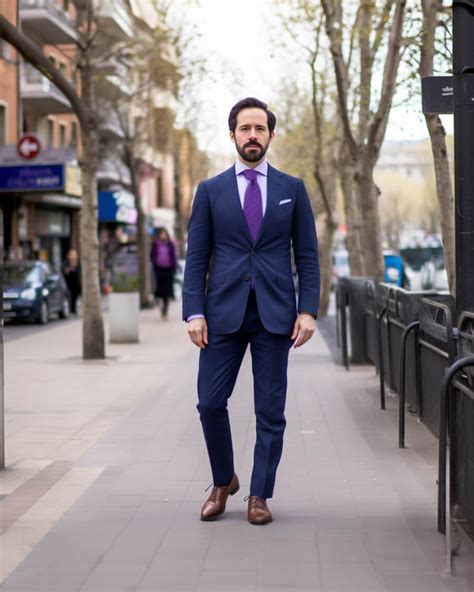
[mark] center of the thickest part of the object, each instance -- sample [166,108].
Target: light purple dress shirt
[240,167]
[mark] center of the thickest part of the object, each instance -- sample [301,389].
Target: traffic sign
[28,147]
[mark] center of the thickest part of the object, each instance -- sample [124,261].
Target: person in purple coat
[163,259]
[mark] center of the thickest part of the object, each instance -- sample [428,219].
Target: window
[62,135]
[3,125]
[50,133]
[4,50]
[52,59]
[74,134]
[159,191]
[63,69]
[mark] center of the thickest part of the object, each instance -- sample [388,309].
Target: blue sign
[117,206]
[32,178]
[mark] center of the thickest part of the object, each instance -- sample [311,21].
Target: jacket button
[247,278]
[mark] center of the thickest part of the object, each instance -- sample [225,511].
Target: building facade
[40,144]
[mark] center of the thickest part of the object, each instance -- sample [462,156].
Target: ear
[232,136]
[272,136]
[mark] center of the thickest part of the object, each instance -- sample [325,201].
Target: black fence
[419,348]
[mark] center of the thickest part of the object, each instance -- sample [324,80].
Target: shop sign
[32,178]
[117,206]
[73,181]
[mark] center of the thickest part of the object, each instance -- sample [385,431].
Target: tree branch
[33,54]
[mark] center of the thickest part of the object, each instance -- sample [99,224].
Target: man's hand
[197,331]
[304,329]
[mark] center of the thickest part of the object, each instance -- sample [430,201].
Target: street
[106,472]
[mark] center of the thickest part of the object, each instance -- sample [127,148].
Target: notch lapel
[275,188]
[230,188]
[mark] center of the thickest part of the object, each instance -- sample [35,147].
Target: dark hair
[163,229]
[249,103]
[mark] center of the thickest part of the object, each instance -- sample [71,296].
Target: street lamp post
[463,70]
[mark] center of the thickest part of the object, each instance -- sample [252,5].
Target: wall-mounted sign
[73,181]
[117,206]
[32,178]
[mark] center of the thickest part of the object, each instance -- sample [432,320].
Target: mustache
[253,144]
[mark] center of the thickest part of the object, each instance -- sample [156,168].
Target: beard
[254,155]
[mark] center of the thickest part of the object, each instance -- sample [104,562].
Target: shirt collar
[262,168]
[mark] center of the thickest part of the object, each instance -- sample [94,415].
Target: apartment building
[40,195]
[40,182]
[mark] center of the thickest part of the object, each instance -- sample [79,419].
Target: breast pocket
[285,217]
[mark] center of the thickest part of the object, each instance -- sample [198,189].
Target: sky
[246,57]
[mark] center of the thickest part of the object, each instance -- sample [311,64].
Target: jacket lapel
[230,188]
[275,187]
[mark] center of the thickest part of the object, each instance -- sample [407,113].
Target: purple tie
[253,210]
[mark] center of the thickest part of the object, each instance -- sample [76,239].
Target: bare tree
[432,11]
[318,137]
[375,26]
[84,106]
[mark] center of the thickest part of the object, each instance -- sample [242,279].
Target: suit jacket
[219,242]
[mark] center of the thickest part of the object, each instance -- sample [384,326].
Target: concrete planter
[124,310]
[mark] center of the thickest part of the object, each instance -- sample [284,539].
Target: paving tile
[297,575]
[353,577]
[223,580]
[351,511]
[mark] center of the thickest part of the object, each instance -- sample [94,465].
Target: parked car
[33,291]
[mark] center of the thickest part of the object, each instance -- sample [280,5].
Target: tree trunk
[327,228]
[351,214]
[143,247]
[368,194]
[444,185]
[143,256]
[93,338]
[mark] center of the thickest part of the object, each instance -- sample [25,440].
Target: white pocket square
[284,201]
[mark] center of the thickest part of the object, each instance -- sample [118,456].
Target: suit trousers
[219,365]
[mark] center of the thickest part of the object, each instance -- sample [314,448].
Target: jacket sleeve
[200,245]
[305,248]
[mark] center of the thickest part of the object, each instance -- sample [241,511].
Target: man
[242,227]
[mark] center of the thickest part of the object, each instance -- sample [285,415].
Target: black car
[33,291]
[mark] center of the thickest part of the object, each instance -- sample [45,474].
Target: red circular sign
[28,147]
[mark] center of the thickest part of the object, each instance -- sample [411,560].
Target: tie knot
[250,174]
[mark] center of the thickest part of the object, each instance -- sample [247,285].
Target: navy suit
[220,247]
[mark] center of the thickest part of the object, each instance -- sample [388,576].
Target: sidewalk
[107,470]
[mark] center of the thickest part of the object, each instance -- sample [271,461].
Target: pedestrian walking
[242,227]
[163,259]
[72,274]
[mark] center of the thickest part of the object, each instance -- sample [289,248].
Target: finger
[302,338]
[294,335]
[205,335]
[195,337]
[307,334]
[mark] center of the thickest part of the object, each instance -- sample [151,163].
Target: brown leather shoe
[215,504]
[258,512]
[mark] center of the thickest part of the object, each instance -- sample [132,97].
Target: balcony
[113,19]
[112,171]
[110,126]
[118,76]
[40,95]
[45,21]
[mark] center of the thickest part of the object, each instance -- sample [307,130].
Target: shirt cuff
[196,316]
